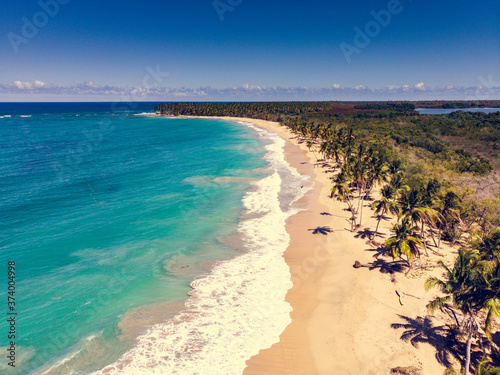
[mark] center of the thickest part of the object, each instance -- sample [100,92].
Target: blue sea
[142,244]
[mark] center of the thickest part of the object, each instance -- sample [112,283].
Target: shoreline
[342,317]
[239,306]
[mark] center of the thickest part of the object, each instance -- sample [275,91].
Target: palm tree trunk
[433,238]
[379,218]
[360,197]
[351,207]
[454,315]
[423,239]
[361,211]
[353,216]
[467,354]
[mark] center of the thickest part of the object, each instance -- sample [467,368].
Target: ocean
[142,245]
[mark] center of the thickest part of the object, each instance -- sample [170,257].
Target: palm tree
[377,174]
[324,148]
[450,211]
[162,108]
[310,146]
[484,369]
[360,174]
[489,246]
[404,243]
[469,289]
[385,204]
[413,206]
[457,287]
[341,187]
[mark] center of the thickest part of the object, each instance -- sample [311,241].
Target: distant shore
[342,316]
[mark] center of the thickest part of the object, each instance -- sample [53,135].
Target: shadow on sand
[443,338]
[321,230]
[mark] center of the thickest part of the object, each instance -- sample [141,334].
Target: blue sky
[249,50]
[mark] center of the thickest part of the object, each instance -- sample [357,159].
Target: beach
[246,260]
[342,316]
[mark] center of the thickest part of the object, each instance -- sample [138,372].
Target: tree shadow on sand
[383,266]
[443,338]
[367,233]
[321,230]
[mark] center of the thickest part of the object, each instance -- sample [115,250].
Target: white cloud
[420,86]
[37,83]
[22,85]
[246,92]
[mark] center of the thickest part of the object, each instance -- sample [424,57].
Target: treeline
[451,104]
[238,109]
[427,132]
[396,122]
[398,107]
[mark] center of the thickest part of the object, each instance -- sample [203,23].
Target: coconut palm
[360,175]
[489,246]
[450,210]
[377,174]
[470,289]
[485,369]
[413,206]
[405,243]
[310,146]
[341,188]
[386,203]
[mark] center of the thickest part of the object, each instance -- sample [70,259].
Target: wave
[239,308]
[25,115]
[59,364]
[146,114]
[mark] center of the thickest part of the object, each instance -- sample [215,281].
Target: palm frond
[437,303]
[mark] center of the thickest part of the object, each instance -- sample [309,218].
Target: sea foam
[239,308]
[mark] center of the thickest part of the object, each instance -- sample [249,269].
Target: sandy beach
[342,316]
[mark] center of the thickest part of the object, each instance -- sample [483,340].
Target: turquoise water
[109,217]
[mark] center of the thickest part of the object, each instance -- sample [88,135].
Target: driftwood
[411,295]
[400,297]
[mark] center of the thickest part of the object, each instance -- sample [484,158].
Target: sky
[89,50]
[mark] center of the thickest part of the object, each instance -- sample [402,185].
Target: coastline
[239,306]
[342,317]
